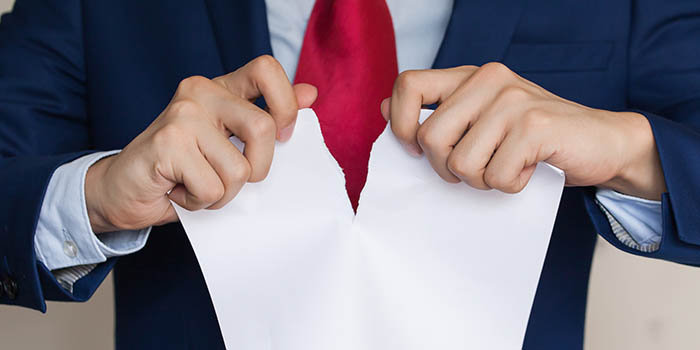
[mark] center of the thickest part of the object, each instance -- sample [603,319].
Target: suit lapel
[479,32]
[240,30]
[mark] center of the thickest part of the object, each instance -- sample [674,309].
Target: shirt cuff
[635,221]
[64,236]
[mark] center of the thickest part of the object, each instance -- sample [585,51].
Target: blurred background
[634,303]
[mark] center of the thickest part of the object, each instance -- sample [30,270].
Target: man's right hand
[185,155]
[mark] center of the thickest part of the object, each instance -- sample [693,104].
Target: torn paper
[424,265]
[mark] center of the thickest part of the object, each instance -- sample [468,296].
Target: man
[607,91]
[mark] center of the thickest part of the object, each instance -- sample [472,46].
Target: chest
[137,51]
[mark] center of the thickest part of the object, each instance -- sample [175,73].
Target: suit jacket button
[10,288]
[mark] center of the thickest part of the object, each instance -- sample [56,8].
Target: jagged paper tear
[424,265]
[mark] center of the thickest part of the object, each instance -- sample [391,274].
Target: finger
[306,94]
[384,108]
[523,147]
[411,91]
[469,158]
[453,118]
[230,115]
[230,165]
[480,96]
[442,132]
[265,77]
[200,186]
[512,165]
[257,130]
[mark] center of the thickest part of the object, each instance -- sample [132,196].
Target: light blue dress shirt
[66,244]
[64,236]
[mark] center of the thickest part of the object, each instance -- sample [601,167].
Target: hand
[492,127]
[185,154]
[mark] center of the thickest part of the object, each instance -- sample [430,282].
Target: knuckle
[497,179]
[406,80]
[240,172]
[458,166]
[512,94]
[213,193]
[192,84]
[535,119]
[496,69]
[427,138]
[261,127]
[494,179]
[463,167]
[264,64]
[183,108]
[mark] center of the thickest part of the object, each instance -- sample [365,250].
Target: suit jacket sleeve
[43,124]
[664,86]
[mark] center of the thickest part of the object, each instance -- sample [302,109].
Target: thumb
[306,94]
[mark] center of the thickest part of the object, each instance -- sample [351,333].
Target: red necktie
[349,54]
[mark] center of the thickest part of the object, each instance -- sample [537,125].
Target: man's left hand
[492,127]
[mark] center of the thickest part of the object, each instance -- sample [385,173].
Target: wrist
[94,194]
[640,173]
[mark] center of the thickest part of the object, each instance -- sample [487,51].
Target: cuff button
[70,249]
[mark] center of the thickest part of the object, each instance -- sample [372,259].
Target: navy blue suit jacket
[78,76]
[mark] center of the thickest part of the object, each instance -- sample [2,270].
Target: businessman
[109,110]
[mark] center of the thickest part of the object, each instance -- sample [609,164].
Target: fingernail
[413,150]
[384,108]
[286,133]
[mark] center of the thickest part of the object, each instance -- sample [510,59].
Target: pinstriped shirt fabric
[624,236]
[67,277]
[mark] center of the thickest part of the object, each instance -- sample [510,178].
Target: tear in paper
[424,265]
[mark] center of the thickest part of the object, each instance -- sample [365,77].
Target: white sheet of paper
[423,265]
